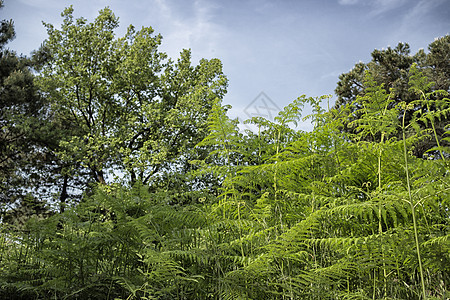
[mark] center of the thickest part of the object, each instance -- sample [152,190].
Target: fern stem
[434,128]
[380,227]
[416,236]
[374,284]
[275,179]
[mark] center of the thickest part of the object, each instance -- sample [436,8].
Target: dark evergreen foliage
[391,68]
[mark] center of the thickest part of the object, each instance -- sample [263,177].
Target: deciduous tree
[127,108]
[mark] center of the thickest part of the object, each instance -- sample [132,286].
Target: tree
[20,123]
[124,106]
[438,62]
[391,68]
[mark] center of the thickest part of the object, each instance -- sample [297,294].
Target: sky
[272,51]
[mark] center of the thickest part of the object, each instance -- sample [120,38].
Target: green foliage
[434,109]
[21,127]
[394,70]
[210,212]
[125,106]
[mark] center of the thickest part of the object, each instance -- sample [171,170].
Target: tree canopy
[392,68]
[125,105]
[20,123]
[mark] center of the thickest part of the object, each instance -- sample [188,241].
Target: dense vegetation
[122,177]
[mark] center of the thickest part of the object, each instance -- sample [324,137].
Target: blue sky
[281,48]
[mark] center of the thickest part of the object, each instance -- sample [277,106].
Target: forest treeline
[122,177]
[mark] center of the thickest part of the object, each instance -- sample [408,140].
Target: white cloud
[421,9]
[383,6]
[377,6]
[348,2]
[41,4]
[412,21]
[190,25]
